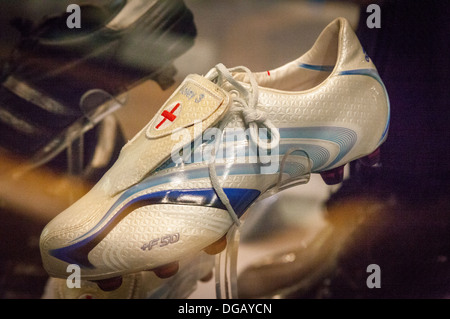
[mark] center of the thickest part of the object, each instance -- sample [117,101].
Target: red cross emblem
[168,115]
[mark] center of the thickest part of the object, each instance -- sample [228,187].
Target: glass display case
[81,79]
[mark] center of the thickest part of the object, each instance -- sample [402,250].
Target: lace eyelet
[234,93]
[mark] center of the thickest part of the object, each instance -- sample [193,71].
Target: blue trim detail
[74,254]
[373,73]
[152,181]
[368,72]
[326,68]
[344,137]
[240,200]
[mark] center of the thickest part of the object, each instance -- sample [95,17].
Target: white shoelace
[254,118]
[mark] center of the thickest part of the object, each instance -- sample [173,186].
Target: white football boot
[220,143]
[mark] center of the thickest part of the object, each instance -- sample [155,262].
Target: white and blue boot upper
[219,143]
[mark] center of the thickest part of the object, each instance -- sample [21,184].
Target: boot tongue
[196,101]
